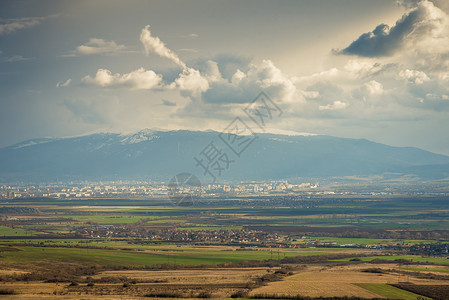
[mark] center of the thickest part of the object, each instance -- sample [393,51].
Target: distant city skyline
[359,69]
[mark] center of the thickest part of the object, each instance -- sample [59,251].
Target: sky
[377,70]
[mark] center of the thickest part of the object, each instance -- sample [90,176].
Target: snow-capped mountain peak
[138,137]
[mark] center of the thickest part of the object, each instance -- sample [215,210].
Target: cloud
[243,86]
[431,96]
[16,58]
[332,74]
[442,4]
[311,94]
[228,64]
[95,110]
[357,68]
[369,90]
[337,105]
[139,79]
[188,50]
[423,22]
[204,83]
[190,36]
[168,102]
[8,26]
[97,46]
[154,44]
[373,87]
[415,76]
[191,80]
[64,83]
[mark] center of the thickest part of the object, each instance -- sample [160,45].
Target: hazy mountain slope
[160,155]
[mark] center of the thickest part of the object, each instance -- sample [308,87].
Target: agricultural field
[344,281]
[104,249]
[389,291]
[436,260]
[364,241]
[147,256]
[11,231]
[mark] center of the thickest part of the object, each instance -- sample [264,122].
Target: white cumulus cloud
[373,87]
[191,80]
[154,44]
[415,76]
[139,79]
[337,105]
[206,84]
[242,86]
[99,46]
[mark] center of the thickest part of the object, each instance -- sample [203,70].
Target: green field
[210,227]
[426,269]
[8,231]
[389,292]
[153,256]
[366,241]
[435,260]
[110,219]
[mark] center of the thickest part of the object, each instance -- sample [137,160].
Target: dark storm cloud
[385,41]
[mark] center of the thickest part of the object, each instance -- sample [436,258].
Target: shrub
[204,295]
[7,292]
[166,294]
[240,294]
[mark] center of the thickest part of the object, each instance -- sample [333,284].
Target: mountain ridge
[162,154]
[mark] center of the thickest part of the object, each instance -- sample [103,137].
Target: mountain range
[159,155]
